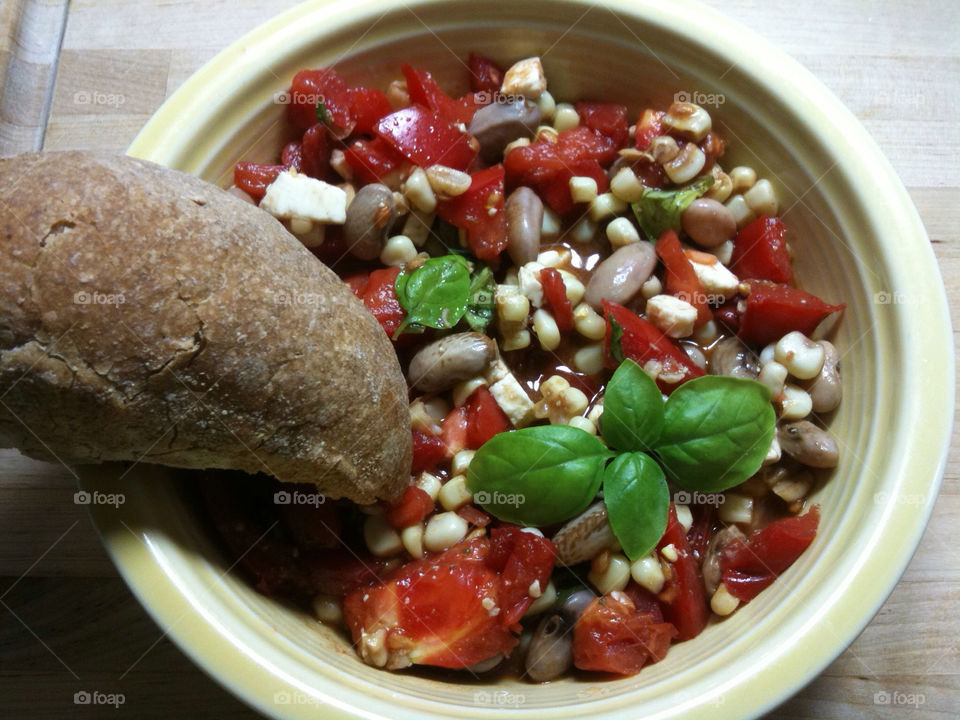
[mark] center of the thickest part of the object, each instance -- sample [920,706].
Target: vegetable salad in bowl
[616,388]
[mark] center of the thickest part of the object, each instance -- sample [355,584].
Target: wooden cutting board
[88,74]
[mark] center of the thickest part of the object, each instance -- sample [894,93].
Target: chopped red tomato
[649,126]
[608,119]
[333,248]
[253,178]
[484,418]
[773,310]
[650,174]
[412,508]
[548,166]
[555,293]
[315,152]
[727,315]
[681,279]
[428,452]
[454,430]
[760,251]
[368,105]
[432,612]
[644,600]
[748,566]
[381,299]
[611,636]
[424,90]
[324,85]
[292,156]
[683,599]
[485,74]
[479,211]
[357,283]
[474,515]
[702,529]
[641,342]
[521,559]
[371,160]
[426,138]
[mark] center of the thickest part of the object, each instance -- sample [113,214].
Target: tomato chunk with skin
[371,160]
[253,178]
[760,251]
[485,74]
[424,90]
[555,293]
[381,299]
[521,559]
[412,508]
[315,152]
[428,452]
[772,310]
[309,87]
[368,105]
[681,278]
[611,636]
[432,612]
[683,599]
[649,126]
[608,119]
[751,565]
[479,211]
[484,418]
[426,138]
[641,341]
[454,430]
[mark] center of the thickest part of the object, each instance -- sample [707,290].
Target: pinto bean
[369,217]
[710,567]
[575,603]
[583,537]
[825,389]
[451,360]
[708,223]
[550,654]
[620,276]
[524,214]
[808,444]
[731,357]
[498,124]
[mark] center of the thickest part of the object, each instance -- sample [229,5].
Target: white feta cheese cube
[529,278]
[526,78]
[513,400]
[716,280]
[671,315]
[293,195]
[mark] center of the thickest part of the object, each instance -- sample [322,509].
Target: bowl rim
[199,634]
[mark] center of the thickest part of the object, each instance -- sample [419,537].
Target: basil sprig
[441,291]
[659,210]
[710,435]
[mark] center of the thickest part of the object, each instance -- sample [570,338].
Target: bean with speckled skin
[708,223]
[808,444]
[620,276]
[498,124]
[550,654]
[825,390]
[524,214]
[451,360]
[731,357]
[369,217]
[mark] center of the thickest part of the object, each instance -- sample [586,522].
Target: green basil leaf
[632,409]
[659,210]
[537,475]
[716,432]
[480,306]
[434,294]
[638,501]
[616,336]
[323,115]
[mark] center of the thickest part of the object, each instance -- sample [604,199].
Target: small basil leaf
[434,294]
[659,210]
[632,409]
[537,475]
[616,337]
[716,432]
[638,500]
[323,115]
[481,303]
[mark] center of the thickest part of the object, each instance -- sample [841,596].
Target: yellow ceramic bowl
[856,237]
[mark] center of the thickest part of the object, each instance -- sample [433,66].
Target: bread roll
[146,315]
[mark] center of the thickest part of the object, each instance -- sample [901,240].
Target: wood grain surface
[89,73]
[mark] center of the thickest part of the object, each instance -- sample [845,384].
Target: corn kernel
[589,359]
[381,539]
[622,232]
[588,322]
[606,206]
[565,117]
[454,493]
[583,189]
[742,178]
[614,576]
[626,186]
